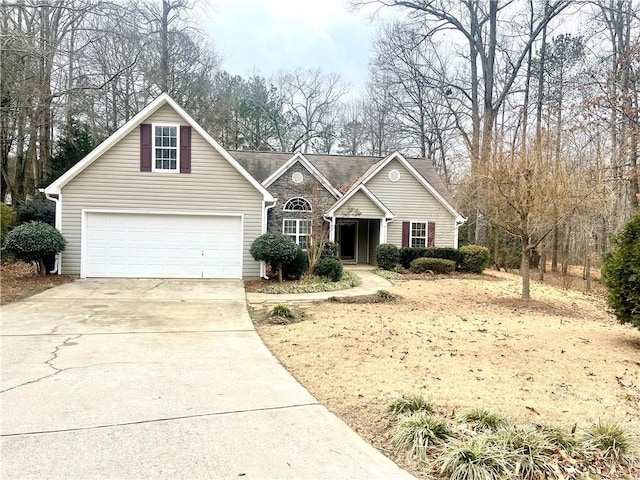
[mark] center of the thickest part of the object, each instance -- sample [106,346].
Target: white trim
[420,178]
[376,201]
[153,148]
[298,234]
[299,157]
[394,174]
[284,207]
[426,233]
[128,127]
[83,228]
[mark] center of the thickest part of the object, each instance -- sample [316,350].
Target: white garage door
[162,246]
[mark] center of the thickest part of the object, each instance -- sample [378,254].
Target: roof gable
[351,193]
[375,169]
[302,160]
[128,127]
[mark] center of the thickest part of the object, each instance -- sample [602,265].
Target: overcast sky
[270,35]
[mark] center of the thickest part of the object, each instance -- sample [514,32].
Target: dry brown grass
[467,342]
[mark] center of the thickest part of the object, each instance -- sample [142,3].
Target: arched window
[297,204]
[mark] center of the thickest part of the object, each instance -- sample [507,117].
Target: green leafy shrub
[478,459]
[621,273]
[388,274]
[7,220]
[435,265]
[610,438]
[297,267]
[474,258]
[419,431]
[482,420]
[36,209]
[329,267]
[387,256]
[408,254]
[316,284]
[34,241]
[274,248]
[409,403]
[330,249]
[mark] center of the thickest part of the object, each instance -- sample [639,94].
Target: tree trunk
[587,271]
[42,270]
[524,271]
[542,267]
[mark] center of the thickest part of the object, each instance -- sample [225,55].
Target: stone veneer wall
[310,189]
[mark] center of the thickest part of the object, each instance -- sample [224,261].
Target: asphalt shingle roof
[341,170]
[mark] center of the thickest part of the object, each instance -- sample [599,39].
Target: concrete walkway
[161,379]
[371,283]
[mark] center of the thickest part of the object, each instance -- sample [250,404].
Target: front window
[298,230]
[165,151]
[297,204]
[418,234]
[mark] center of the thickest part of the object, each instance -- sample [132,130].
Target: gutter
[263,266]
[56,200]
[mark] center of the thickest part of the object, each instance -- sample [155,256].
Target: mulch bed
[20,280]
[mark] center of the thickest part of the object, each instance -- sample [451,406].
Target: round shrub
[297,267]
[435,265]
[330,249]
[34,241]
[621,273]
[387,256]
[474,258]
[274,248]
[329,267]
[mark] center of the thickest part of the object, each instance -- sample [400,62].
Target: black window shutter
[145,147]
[185,149]
[405,233]
[431,234]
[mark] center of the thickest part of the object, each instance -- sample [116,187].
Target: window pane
[418,229]
[304,242]
[172,164]
[305,226]
[418,242]
[172,142]
[172,131]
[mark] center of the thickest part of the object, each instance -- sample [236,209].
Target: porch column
[332,230]
[383,231]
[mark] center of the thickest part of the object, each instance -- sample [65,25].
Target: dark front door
[347,241]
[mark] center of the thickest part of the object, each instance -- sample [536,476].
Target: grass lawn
[466,342]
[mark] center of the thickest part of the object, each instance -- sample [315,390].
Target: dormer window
[165,148]
[297,204]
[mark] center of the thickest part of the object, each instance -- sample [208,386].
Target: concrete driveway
[160,379]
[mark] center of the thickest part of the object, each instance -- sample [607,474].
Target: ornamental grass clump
[526,449]
[482,420]
[611,439]
[420,431]
[477,459]
[409,403]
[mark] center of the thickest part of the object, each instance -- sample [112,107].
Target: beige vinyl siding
[359,206]
[410,201]
[114,181]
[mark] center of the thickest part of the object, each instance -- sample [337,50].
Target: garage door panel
[162,246]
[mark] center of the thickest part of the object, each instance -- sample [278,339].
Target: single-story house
[160,198]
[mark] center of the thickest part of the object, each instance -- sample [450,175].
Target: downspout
[58,225]
[263,266]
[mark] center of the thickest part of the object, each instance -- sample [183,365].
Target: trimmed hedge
[330,249]
[435,265]
[474,258]
[387,256]
[329,267]
[406,255]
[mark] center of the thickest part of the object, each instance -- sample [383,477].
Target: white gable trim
[299,157]
[360,188]
[397,156]
[128,127]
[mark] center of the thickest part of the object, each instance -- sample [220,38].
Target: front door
[347,237]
